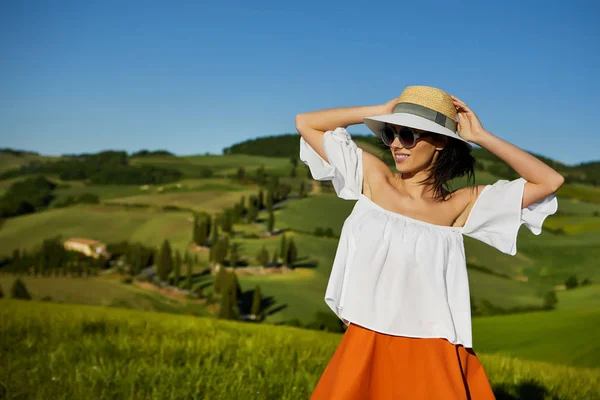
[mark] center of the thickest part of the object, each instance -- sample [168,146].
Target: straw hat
[421,107]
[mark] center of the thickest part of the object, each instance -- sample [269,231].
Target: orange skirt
[369,365]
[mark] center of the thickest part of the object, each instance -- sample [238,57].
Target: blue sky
[195,77]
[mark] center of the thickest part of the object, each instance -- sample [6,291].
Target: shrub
[550,300]
[571,282]
[19,291]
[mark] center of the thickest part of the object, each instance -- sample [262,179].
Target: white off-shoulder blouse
[401,276]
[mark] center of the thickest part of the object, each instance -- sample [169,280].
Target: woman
[399,279]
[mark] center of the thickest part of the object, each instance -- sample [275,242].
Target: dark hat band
[427,113]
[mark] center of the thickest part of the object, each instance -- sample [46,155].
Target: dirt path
[169,292]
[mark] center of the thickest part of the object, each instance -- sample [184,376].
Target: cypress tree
[207,225]
[269,200]
[195,230]
[283,247]
[256,300]
[165,261]
[177,268]
[271,221]
[213,242]
[292,253]
[229,300]
[226,223]
[261,200]
[262,257]
[234,255]
[188,266]
[19,291]
[274,260]
[204,229]
[220,281]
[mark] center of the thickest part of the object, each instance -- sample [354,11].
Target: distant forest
[288,145]
[113,167]
[107,167]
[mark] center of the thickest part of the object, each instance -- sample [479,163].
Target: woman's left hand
[469,127]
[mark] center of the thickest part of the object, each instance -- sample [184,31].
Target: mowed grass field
[58,351]
[100,291]
[105,223]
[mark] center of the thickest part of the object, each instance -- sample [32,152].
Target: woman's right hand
[388,108]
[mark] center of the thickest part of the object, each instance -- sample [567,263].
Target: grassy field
[62,351]
[299,295]
[107,224]
[100,292]
[564,337]
[222,165]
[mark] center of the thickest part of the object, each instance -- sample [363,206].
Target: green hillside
[139,213]
[82,352]
[101,292]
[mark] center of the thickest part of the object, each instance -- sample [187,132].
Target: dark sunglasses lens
[387,135]
[407,137]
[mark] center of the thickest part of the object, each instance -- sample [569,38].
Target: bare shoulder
[374,171]
[464,199]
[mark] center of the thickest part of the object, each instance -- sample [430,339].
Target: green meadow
[114,353]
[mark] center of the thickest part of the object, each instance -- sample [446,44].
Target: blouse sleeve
[497,215]
[345,167]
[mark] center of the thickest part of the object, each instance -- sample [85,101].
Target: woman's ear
[441,142]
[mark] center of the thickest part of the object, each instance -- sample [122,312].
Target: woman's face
[421,156]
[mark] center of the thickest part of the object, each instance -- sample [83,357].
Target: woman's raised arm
[542,180]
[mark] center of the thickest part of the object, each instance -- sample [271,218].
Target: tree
[234,258]
[571,282]
[19,291]
[165,261]
[1,292]
[256,301]
[262,258]
[226,223]
[241,173]
[220,281]
[271,221]
[283,247]
[178,263]
[269,200]
[188,265]
[302,190]
[214,239]
[292,253]
[260,175]
[274,260]
[229,300]
[261,200]
[252,213]
[550,300]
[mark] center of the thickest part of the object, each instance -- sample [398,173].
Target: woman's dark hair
[454,161]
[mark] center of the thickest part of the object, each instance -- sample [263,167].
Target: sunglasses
[407,136]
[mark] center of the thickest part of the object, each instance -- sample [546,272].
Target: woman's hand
[469,127]
[388,108]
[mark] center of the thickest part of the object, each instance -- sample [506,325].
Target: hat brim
[376,123]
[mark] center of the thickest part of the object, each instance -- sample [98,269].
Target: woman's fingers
[460,102]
